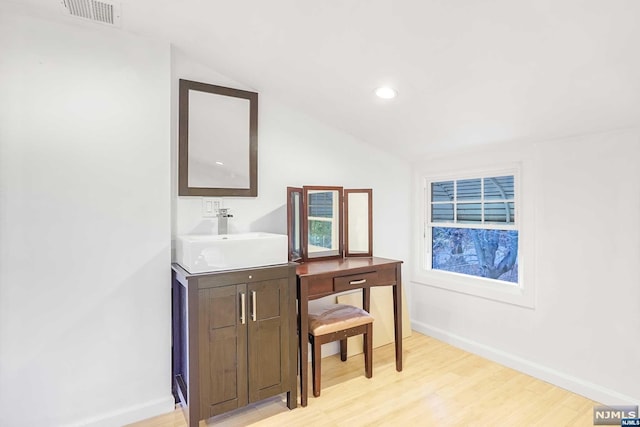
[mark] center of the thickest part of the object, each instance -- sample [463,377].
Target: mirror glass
[218,141]
[358,222]
[294,220]
[323,222]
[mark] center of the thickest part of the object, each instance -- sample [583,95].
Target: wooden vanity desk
[317,279]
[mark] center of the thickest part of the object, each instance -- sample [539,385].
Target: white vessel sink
[205,253]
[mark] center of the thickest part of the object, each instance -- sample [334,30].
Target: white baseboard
[576,385]
[130,415]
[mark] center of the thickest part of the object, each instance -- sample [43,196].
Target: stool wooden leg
[316,339]
[368,350]
[316,357]
[343,349]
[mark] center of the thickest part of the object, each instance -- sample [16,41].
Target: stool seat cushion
[325,319]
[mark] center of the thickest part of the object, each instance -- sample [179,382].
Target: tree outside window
[472,227]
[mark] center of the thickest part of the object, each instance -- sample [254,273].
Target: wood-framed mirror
[217,141]
[325,222]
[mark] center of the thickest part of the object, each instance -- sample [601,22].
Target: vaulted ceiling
[467,72]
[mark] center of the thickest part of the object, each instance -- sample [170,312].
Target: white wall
[84,224]
[582,333]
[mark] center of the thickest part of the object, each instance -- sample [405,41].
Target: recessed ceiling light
[219,163]
[385,92]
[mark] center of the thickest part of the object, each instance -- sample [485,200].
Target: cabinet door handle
[358,282]
[243,308]
[254,304]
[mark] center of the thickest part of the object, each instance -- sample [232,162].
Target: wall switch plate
[210,206]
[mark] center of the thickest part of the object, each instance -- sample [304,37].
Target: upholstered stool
[333,322]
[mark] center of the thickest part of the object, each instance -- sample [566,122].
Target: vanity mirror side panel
[358,223]
[295,207]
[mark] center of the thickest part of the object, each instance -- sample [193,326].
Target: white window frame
[514,293]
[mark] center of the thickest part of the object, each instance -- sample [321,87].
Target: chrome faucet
[223,220]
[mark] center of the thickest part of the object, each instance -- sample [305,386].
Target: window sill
[483,288]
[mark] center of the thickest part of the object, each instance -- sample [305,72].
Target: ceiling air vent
[93,10]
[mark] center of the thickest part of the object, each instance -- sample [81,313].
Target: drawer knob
[358,282]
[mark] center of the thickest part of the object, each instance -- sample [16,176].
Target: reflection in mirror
[358,222]
[294,223]
[218,134]
[218,142]
[323,222]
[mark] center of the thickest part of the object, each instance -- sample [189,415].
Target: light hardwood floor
[439,386]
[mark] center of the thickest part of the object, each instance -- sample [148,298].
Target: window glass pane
[499,212]
[496,212]
[484,253]
[469,212]
[468,189]
[442,191]
[498,188]
[442,212]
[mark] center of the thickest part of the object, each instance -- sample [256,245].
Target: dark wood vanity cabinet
[234,338]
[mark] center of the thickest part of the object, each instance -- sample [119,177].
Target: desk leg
[366,299]
[303,330]
[397,317]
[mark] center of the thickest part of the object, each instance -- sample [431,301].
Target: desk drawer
[355,281]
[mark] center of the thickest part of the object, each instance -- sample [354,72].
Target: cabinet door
[268,339]
[223,349]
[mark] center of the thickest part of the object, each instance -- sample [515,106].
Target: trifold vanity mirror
[329,222]
[218,141]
